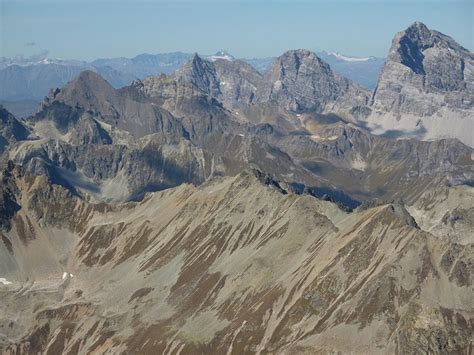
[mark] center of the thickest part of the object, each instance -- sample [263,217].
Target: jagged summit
[408,46]
[86,86]
[300,81]
[89,75]
[426,88]
[11,129]
[199,73]
[420,28]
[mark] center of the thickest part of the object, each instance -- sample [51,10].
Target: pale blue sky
[108,28]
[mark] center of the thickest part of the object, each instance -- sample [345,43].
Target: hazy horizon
[87,30]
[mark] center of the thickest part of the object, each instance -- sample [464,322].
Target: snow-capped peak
[349,59]
[222,54]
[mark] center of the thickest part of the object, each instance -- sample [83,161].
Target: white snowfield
[66,275]
[216,57]
[445,124]
[4,281]
[349,59]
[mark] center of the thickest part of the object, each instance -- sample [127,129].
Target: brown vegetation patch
[58,345]
[169,250]
[7,243]
[70,312]
[139,243]
[35,343]
[98,237]
[24,229]
[104,343]
[142,292]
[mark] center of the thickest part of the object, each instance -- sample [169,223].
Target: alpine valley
[219,209]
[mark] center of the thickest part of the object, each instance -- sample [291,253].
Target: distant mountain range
[27,79]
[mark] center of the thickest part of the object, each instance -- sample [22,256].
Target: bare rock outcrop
[426,87]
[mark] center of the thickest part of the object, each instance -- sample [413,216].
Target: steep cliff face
[11,130]
[299,81]
[426,87]
[90,98]
[116,145]
[95,141]
[236,265]
[232,83]
[239,82]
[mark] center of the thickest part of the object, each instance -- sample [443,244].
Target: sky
[90,29]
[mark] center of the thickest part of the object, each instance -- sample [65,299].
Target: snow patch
[4,281]
[359,164]
[66,275]
[213,58]
[445,124]
[349,59]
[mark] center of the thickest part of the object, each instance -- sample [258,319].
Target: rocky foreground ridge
[239,265]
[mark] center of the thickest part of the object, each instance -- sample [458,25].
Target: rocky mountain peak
[200,74]
[11,129]
[430,76]
[409,44]
[418,29]
[88,85]
[410,47]
[300,81]
[87,80]
[137,83]
[293,60]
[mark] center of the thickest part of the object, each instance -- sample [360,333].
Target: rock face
[103,141]
[299,81]
[229,81]
[11,130]
[426,85]
[125,109]
[115,145]
[200,74]
[238,82]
